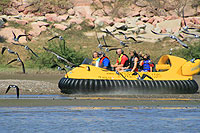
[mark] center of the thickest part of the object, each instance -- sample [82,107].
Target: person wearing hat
[104,61]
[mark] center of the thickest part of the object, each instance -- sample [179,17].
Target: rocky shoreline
[136,19]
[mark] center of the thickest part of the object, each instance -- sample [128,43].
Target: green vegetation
[2,39]
[192,52]
[47,60]
[4,4]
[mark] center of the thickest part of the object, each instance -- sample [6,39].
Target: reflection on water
[101,119]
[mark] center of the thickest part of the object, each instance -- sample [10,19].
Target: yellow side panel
[190,68]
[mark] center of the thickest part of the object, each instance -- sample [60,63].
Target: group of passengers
[137,62]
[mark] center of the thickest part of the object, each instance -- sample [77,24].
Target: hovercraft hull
[96,86]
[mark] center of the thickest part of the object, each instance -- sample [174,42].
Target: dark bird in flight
[9,50]
[58,56]
[13,86]
[111,49]
[121,42]
[127,38]
[172,37]
[60,37]
[19,60]
[99,43]
[196,36]
[27,48]
[16,38]
[59,67]
[186,28]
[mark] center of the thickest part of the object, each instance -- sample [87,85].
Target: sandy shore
[31,84]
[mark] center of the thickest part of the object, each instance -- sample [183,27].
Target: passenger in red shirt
[122,61]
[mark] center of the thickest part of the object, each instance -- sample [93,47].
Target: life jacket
[146,65]
[120,59]
[101,62]
[94,61]
[132,62]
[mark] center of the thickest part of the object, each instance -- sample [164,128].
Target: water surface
[64,119]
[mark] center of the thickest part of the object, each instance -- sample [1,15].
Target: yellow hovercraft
[173,76]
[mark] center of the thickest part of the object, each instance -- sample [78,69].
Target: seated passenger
[104,61]
[133,62]
[146,64]
[122,61]
[95,57]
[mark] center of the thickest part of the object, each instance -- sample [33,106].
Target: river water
[126,119]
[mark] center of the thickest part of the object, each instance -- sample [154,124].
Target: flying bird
[185,28]
[9,50]
[111,49]
[19,60]
[59,67]
[127,38]
[172,37]
[27,48]
[58,56]
[60,37]
[196,36]
[13,86]
[121,42]
[16,38]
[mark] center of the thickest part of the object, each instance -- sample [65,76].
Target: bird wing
[122,33]
[8,89]
[3,50]
[179,41]
[17,90]
[184,18]
[55,65]
[18,44]
[53,38]
[113,49]
[68,62]
[12,61]
[14,35]
[23,67]
[189,33]
[98,38]
[20,36]
[104,41]
[132,39]
[159,33]
[33,52]
[11,52]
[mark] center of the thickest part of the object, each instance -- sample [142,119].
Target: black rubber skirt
[93,86]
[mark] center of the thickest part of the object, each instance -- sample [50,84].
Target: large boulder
[22,22]
[11,11]
[7,34]
[174,25]
[60,27]
[189,11]
[83,11]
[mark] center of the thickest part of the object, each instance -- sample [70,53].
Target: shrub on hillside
[47,60]
[192,52]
